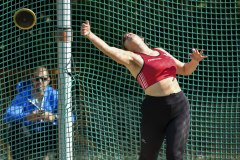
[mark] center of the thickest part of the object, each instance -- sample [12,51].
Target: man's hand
[35,116]
[47,116]
[40,115]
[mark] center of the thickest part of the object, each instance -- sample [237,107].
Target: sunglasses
[43,79]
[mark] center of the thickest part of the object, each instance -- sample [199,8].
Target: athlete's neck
[149,52]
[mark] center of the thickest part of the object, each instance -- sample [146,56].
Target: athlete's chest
[158,63]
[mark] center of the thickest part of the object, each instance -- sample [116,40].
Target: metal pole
[64,38]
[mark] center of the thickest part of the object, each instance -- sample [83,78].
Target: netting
[105,97]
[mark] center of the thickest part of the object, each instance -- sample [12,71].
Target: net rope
[105,97]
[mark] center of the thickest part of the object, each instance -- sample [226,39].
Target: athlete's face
[131,40]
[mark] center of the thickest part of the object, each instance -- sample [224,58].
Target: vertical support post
[64,37]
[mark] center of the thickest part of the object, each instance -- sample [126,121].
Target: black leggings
[164,117]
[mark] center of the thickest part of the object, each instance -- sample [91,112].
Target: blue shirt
[23,104]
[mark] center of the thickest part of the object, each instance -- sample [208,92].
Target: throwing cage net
[105,99]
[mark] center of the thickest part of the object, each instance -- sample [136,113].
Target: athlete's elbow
[188,73]
[187,70]
[184,73]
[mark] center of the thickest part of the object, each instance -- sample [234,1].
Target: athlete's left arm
[190,67]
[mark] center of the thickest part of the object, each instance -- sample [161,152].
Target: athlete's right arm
[120,56]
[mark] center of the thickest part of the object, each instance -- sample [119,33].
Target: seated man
[32,116]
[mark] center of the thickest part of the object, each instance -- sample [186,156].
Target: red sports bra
[156,68]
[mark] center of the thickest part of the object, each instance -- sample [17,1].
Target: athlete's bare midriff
[164,87]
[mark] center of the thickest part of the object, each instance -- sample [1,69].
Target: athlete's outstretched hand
[85,29]
[196,55]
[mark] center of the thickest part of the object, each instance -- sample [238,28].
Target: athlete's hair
[123,41]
